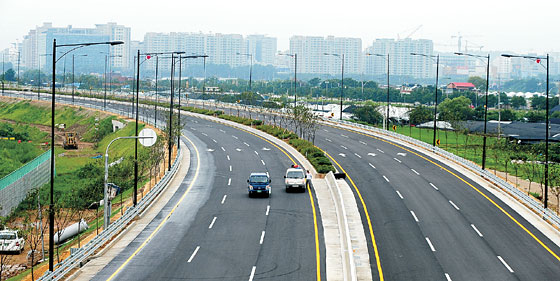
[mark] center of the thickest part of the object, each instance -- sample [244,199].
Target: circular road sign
[147,137]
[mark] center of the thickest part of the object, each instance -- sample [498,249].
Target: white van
[295,178]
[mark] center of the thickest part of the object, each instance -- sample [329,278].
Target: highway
[424,220]
[217,232]
[429,221]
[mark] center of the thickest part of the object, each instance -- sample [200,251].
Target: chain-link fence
[15,186]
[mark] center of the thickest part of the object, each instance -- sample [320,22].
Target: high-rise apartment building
[312,59]
[119,54]
[401,61]
[263,49]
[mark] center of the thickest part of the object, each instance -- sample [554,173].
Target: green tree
[478,82]
[535,116]
[455,110]
[10,75]
[368,114]
[420,114]
[518,102]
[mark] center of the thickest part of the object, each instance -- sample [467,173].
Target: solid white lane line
[357,155]
[262,237]
[414,215]
[400,194]
[476,229]
[223,148]
[380,150]
[386,178]
[267,210]
[252,273]
[344,147]
[430,244]
[263,162]
[364,143]
[194,254]
[256,152]
[397,160]
[230,168]
[214,141]
[228,158]
[212,223]
[235,137]
[205,134]
[246,143]
[505,264]
[329,140]
[435,187]
[448,277]
[415,171]
[371,165]
[229,181]
[224,199]
[453,204]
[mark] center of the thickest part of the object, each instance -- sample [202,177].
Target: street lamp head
[459,54]
[507,55]
[113,43]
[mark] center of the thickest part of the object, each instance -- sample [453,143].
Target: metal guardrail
[77,257]
[547,214]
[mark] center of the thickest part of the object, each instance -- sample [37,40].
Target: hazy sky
[520,26]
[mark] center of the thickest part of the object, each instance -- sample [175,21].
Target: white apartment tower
[401,61]
[119,53]
[262,48]
[312,59]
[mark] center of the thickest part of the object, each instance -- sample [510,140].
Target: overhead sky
[519,26]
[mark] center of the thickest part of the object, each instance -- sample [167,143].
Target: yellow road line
[463,180]
[375,250]
[165,219]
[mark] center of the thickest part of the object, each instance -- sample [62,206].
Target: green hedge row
[241,120]
[278,132]
[317,158]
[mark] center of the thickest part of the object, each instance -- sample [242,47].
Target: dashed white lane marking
[364,143]
[414,215]
[415,171]
[448,277]
[397,160]
[230,168]
[329,140]
[476,229]
[505,264]
[371,165]
[430,244]
[252,273]
[235,137]
[400,195]
[229,181]
[262,237]
[267,210]
[246,143]
[263,162]
[380,150]
[344,136]
[222,131]
[193,129]
[326,130]
[228,157]
[357,155]
[453,204]
[194,254]
[215,141]
[224,199]
[205,134]
[371,154]
[256,152]
[386,178]
[435,187]
[223,148]
[344,147]
[212,223]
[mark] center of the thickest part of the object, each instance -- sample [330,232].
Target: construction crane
[410,34]
[459,37]
[467,42]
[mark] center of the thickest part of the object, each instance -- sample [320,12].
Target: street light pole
[135,196]
[342,81]
[250,69]
[386,123]
[105,87]
[51,199]
[171,113]
[436,91]
[155,106]
[538,60]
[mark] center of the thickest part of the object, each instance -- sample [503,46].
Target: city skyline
[499,25]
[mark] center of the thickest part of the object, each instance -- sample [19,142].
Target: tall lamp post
[39,79]
[386,125]
[486,100]
[431,57]
[51,203]
[539,60]
[250,68]
[294,56]
[342,81]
